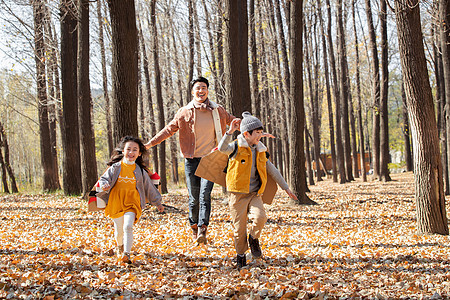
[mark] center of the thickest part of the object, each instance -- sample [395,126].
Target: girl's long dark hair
[117,153]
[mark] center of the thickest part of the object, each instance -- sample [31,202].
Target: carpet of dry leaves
[360,242]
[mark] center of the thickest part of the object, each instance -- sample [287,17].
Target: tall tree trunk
[191,49]
[444,19]
[197,39]
[254,60]
[52,73]
[406,133]
[211,45]
[314,112]
[4,142]
[344,90]
[49,182]
[101,41]
[4,175]
[220,92]
[149,100]
[159,98]
[69,127]
[429,187]
[236,53]
[362,152]
[440,99]
[329,100]
[384,118]
[297,160]
[308,157]
[375,92]
[124,68]
[339,145]
[87,136]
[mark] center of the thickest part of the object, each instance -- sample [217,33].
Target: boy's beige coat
[212,167]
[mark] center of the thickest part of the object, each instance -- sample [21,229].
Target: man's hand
[160,208]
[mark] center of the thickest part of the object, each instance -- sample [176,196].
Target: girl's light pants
[123,230]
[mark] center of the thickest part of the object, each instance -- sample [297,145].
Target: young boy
[246,180]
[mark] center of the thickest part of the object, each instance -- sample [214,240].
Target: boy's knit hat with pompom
[249,122]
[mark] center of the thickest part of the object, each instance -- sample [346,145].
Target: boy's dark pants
[243,206]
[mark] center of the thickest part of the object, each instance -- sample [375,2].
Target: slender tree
[149,99]
[362,152]
[384,117]
[159,97]
[429,189]
[236,53]
[87,136]
[124,67]
[4,143]
[101,41]
[50,183]
[329,100]
[375,69]
[339,146]
[69,126]
[297,160]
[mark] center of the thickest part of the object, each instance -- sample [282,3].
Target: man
[202,124]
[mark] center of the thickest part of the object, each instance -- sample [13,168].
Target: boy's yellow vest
[239,167]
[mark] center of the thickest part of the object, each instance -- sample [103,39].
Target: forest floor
[360,242]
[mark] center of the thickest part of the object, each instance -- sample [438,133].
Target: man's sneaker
[241,261]
[194,232]
[201,235]
[254,247]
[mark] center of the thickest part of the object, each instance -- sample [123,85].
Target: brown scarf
[203,106]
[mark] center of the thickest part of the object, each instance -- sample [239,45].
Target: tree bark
[159,98]
[406,133]
[49,182]
[236,53]
[52,73]
[4,175]
[197,39]
[444,19]
[375,92]
[70,132]
[297,159]
[101,41]
[149,100]
[191,49]
[124,68]
[339,145]
[429,189]
[4,142]
[384,117]
[254,61]
[362,152]
[87,137]
[329,100]
[344,91]
[440,99]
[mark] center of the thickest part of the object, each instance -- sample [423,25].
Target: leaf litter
[360,242]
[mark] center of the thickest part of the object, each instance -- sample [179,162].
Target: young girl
[127,186]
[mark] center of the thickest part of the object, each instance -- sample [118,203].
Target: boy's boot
[254,247]
[241,261]
[194,232]
[201,235]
